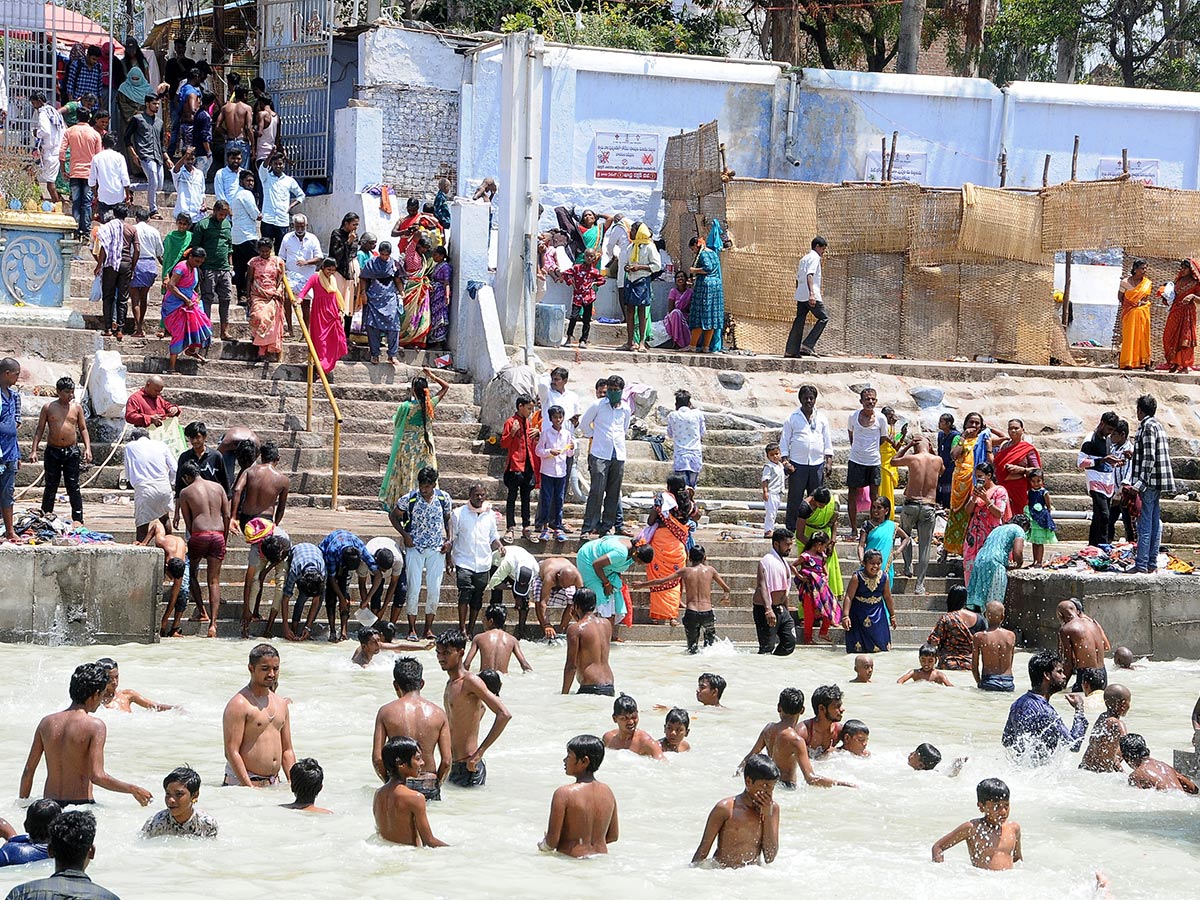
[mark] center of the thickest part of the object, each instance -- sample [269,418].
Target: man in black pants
[807,446]
[772,619]
[809,301]
[63,423]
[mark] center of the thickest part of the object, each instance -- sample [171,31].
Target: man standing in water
[1033,728]
[73,743]
[466,696]
[256,726]
[1082,642]
[992,652]
[920,502]
[411,715]
[205,511]
[588,640]
[784,745]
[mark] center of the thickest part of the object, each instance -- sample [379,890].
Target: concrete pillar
[476,340]
[358,135]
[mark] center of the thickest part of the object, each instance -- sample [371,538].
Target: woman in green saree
[819,513]
[412,440]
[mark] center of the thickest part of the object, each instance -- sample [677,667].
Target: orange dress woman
[1179,335]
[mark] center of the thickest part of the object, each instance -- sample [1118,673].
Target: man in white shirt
[474,538]
[228,179]
[110,175]
[384,583]
[606,420]
[244,230]
[48,137]
[807,446]
[281,195]
[300,252]
[809,301]
[150,471]
[189,186]
[866,429]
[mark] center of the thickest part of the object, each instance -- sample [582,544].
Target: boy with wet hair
[32,846]
[993,842]
[928,670]
[399,811]
[864,668]
[627,736]
[854,737]
[411,715]
[491,678]
[1104,749]
[696,612]
[786,743]
[710,688]
[465,698]
[307,778]
[924,758]
[583,815]
[495,646]
[746,826]
[1152,774]
[374,640]
[181,818]
[676,729]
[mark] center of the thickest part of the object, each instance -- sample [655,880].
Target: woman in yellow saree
[970,449]
[1134,296]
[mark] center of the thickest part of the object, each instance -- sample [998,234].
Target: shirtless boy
[495,646]
[928,670]
[696,612]
[177,589]
[627,735]
[63,423]
[855,737]
[787,747]
[709,689]
[73,744]
[124,700]
[411,715]
[588,639]
[864,668]
[822,731]
[400,815]
[746,826]
[583,815]
[992,652]
[257,727]
[1082,643]
[557,581]
[307,778]
[1152,774]
[261,492]
[372,641]
[993,842]
[1104,748]
[919,510]
[464,700]
[205,510]
[675,731]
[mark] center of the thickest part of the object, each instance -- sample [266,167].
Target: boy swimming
[993,842]
[709,689]
[676,729]
[627,735]
[746,826]
[864,668]
[307,778]
[854,738]
[928,671]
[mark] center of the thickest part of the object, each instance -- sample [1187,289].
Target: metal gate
[296,37]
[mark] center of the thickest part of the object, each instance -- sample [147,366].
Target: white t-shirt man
[864,439]
[293,248]
[810,264]
[473,533]
[381,543]
[110,177]
[189,188]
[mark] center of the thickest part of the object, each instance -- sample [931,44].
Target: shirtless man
[124,700]
[627,735]
[558,580]
[73,744]
[64,419]
[992,652]
[786,747]
[464,700]
[583,815]
[746,826]
[822,731]
[411,715]
[919,511]
[588,639]
[1082,643]
[175,568]
[495,646]
[261,492]
[1152,774]
[257,727]
[205,510]
[228,448]
[400,815]
[235,121]
[1104,749]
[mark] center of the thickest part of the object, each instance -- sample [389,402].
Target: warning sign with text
[626,157]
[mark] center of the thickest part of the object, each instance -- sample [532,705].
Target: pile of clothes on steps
[1119,557]
[36,527]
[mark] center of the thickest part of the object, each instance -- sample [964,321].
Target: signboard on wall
[1143,170]
[906,167]
[626,157]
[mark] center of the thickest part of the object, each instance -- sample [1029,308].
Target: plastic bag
[97,294]
[106,385]
[170,433]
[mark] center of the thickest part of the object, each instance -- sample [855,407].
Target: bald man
[1082,643]
[992,652]
[147,406]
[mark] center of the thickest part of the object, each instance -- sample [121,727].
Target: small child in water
[676,729]
[399,810]
[854,737]
[864,668]
[746,826]
[709,688]
[1104,749]
[993,842]
[307,778]
[927,757]
[583,815]
[627,735]
[182,790]
[1124,658]
[491,678]
[928,671]
[1152,774]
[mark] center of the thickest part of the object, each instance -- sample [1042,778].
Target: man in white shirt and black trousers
[607,420]
[809,301]
[807,447]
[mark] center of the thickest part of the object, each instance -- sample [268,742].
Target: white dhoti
[48,168]
[151,501]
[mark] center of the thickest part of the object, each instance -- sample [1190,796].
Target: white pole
[531,199]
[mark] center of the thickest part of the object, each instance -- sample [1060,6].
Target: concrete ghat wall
[103,594]
[1146,613]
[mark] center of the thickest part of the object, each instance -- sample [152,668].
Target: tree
[844,34]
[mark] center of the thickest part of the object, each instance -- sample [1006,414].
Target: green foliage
[650,27]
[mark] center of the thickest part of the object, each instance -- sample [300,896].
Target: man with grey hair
[301,253]
[150,471]
[10,451]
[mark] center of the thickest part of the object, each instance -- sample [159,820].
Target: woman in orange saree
[1135,317]
[1179,335]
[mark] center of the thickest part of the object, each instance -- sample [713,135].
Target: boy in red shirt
[583,279]
[519,472]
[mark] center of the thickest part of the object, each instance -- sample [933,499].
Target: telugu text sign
[1143,170]
[626,157]
[906,167]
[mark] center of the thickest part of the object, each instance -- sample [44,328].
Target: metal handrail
[337,413]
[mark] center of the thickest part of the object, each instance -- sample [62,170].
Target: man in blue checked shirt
[306,579]
[343,552]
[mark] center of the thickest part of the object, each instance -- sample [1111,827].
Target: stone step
[228,380]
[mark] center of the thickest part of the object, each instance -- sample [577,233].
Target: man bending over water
[257,727]
[411,715]
[745,826]
[465,697]
[73,744]
[583,815]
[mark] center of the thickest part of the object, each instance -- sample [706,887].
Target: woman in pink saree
[418,271]
[325,315]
